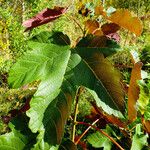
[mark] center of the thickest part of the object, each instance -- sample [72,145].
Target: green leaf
[139,139]
[20,138]
[100,44]
[60,75]
[108,77]
[144,100]
[38,64]
[57,38]
[82,75]
[98,140]
[47,113]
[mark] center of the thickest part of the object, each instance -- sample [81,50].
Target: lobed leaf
[107,75]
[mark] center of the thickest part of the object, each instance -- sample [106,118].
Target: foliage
[64,71]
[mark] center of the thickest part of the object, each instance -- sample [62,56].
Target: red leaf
[45,16]
[109,28]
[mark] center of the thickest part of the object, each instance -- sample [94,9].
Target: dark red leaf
[45,16]
[109,28]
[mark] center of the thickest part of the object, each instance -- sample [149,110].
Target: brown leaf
[109,118]
[109,28]
[45,16]
[99,10]
[98,41]
[146,124]
[133,91]
[123,18]
[92,27]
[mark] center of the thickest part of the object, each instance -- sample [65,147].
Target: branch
[86,131]
[101,131]
[76,112]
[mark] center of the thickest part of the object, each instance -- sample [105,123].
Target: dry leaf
[123,18]
[146,124]
[99,10]
[133,91]
[93,27]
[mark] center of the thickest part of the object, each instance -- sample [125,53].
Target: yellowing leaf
[99,10]
[133,91]
[92,27]
[146,124]
[123,18]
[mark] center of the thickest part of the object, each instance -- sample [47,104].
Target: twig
[78,24]
[104,133]
[76,112]
[86,131]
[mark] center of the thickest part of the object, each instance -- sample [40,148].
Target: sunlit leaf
[45,16]
[20,137]
[123,18]
[133,91]
[98,140]
[139,139]
[144,97]
[108,76]
[99,10]
[98,43]
[146,124]
[93,27]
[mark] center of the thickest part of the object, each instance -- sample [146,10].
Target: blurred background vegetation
[13,39]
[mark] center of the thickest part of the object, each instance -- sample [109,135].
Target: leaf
[133,91]
[139,140]
[45,16]
[93,27]
[19,138]
[47,113]
[123,18]
[98,43]
[146,124]
[98,140]
[37,64]
[109,118]
[108,76]
[60,75]
[99,10]
[109,28]
[56,37]
[144,97]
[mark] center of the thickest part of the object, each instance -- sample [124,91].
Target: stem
[76,112]
[78,25]
[104,133]
[86,131]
